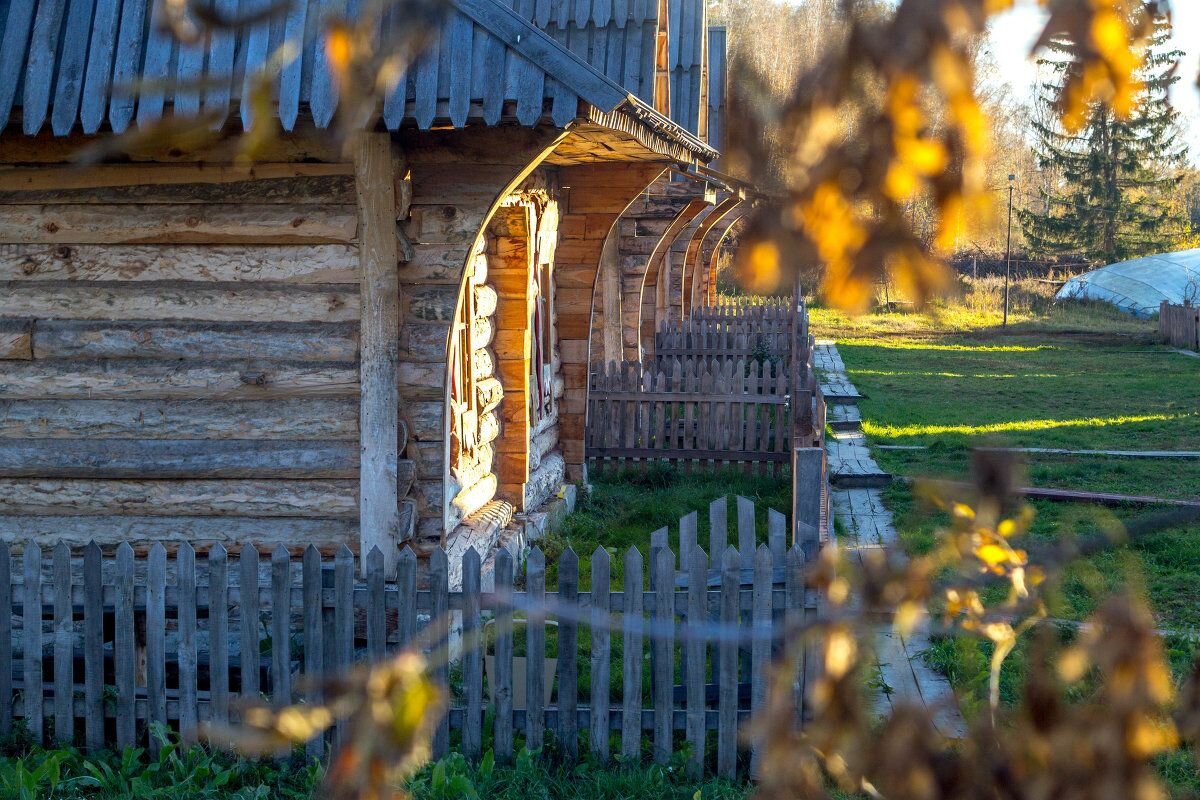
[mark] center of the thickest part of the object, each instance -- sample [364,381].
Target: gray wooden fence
[98,644]
[697,412]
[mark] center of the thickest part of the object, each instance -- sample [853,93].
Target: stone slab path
[866,524]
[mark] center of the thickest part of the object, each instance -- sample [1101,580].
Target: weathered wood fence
[763,330]
[98,645]
[698,413]
[1180,325]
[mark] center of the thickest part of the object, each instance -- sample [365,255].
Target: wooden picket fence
[1180,325]
[763,330]
[100,645]
[697,412]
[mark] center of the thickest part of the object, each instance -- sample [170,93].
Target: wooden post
[379,520]
[806,498]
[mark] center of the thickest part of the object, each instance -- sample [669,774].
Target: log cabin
[373,343]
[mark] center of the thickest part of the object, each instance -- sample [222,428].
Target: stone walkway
[866,524]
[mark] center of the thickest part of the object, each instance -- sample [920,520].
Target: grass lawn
[1078,377]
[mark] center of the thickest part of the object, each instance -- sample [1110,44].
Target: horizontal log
[485,301]
[16,339]
[426,418]
[179,301]
[443,224]
[248,498]
[312,263]
[472,498]
[306,190]
[200,532]
[176,458]
[421,379]
[207,340]
[181,223]
[125,379]
[422,341]
[432,303]
[544,481]
[99,176]
[317,418]
[434,263]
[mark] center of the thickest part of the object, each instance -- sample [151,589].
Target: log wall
[180,347]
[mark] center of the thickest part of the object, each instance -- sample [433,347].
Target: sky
[1012,34]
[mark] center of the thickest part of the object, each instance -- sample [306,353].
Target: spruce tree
[1110,197]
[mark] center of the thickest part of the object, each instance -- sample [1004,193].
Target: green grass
[1076,377]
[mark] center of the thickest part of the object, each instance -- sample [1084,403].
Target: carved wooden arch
[595,196]
[704,289]
[692,260]
[669,302]
[646,308]
[459,181]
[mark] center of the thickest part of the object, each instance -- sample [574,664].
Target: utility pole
[1008,250]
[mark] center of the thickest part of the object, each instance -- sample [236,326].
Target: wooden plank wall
[180,346]
[101,646]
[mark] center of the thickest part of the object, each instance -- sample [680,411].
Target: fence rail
[1180,325]
[115,641]
[696,411]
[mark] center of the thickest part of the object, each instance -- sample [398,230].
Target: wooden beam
[379,293]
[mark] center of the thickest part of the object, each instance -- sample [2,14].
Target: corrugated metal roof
[68,64]
[686,61]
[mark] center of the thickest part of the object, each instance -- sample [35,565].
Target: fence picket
[760,650]
[568,669]
[185,616]
[156,641]
[794,591]
[473,645]
[123,647]
[249,641]
[600,654]
[727,668]
[664,661]
[777,536]
[93,646]
[6,642]
[406,586]
[502,692]
[31,622]
[631,661]
[343,621]
[376,606]
[64,658]
[314,633]
[281,600]
[697,613]
[746,533]
[535,650]
[718,526]
[218,629]
[439,613]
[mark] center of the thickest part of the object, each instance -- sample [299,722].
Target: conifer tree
[1110,182]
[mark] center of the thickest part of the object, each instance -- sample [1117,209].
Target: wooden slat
[697,658]
[13,49]
[473,644]
[93,646]
[406,590]
[746,529]
[631,653]
[185,575]
[123,647]
[6,642]
[39,71]
[502,692]
[281,657]
[718,526]
[163,459]
[314,633]
[176,224]
[439,614]
[761,648]
[535,650]
[664,662]
[218,629]
[31,634]
[343,623]
[156,643]
[600,655]
[727,668]
[376,606]
[793,617]
[64,660]
[568,669]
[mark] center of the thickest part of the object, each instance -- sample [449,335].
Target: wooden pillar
[595,196]
[379,521]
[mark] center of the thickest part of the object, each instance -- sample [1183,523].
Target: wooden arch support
[595,197]
[646,305]
[705,283]
[693,258]
[669,300]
